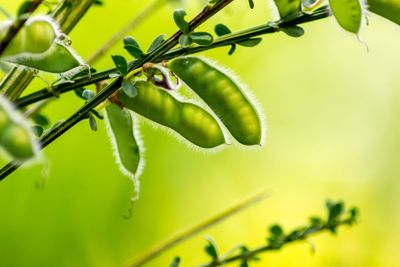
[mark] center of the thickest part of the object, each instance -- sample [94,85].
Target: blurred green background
[332,112]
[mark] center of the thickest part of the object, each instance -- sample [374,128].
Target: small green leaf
[211,248]
[133,50]
[98,3]
[221,29]
[133,47]
[40,119]
[129,40]
[156,43]
[179,18]
[293,31]
[88,94]
[251,4]
[354,214]
[250,42]
[185,41]
[316,221]
[276,230]
[24,7]
[129,88]
[232,50]
[92,122]
[37,130]
[79,91]
[176,261]
[201,38]
[121,64]
[335,210]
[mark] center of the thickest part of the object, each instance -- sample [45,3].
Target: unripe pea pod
[16,137]
[38,45]
[16,141]
[348,13]
[37,36]
[224,96]
[189,120]
[126,143]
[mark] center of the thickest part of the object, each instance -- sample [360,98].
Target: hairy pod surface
[348,13]
[16,137]
[35,37]
[57,59]
[189,120]
[37,46]
[122,130]
[224,96]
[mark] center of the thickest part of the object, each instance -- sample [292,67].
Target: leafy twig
[205,14]
[277,239]
[226,40]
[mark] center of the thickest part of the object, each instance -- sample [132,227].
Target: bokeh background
[332,112]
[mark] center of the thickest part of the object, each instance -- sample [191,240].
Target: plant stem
[220,42]
[250,254]
[17,25]
[146,12]
[156,251]
[56,132]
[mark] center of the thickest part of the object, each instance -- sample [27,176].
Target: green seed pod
[58,59]
[224,96]
[189,120]
[16,140]
[35,37]
[37,46]
[348,13]
[288,8]
[4,119]
[126,142]
[16,136]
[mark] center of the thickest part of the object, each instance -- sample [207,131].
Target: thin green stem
[159,249]
[219,42]
[133,23]
[248,255]
[56,132]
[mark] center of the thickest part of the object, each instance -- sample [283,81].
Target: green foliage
[293,31]
[121,64]
[211,249]
[133,48]
[176,262]
[277,238]
[188,38]
[158,41]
